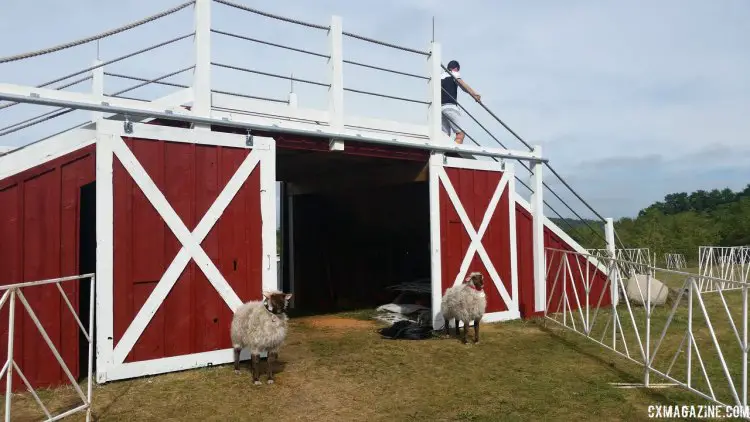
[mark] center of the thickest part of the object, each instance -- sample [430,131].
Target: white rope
[95,37]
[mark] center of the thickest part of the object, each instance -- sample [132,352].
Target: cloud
[630,100]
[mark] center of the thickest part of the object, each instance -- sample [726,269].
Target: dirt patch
[338,323]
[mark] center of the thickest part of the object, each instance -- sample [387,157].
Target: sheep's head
[277,302]
[476,280]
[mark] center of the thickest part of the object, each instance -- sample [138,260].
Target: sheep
[465,302]
[260,326]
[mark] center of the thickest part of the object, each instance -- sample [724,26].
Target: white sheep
[465,302]
[260,326]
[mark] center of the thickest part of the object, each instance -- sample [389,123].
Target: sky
[630,101]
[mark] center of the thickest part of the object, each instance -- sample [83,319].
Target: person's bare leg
[459,137]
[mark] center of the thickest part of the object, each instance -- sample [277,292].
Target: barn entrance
[86,265]
[354,226]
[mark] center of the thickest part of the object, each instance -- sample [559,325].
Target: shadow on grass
[606,359]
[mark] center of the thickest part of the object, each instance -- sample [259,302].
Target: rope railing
[272,75]
[392,97]
[546,164]
[253,97]
[108,62]
[134,78]
[63,110]
[527,168]
[272,44]
[385,44]
[384,69]
[96,37]
[271,15]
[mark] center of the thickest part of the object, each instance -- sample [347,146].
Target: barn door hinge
[128,125]
[249,139]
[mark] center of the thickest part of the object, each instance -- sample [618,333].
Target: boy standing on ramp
[449,96]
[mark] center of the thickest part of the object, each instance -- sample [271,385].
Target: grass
[336,367]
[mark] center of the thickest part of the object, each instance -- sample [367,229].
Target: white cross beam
[476,245]
[190,242]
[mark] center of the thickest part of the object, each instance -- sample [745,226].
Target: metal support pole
[690,333]
[336,72]
[610,236]
[9,373]
[647,354]
[434,114]
[537,210]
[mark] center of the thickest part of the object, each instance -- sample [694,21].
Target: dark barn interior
[359,221]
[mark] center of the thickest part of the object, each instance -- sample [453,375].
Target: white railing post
[434,115]
[610,236]
[97,88]
[537,210]
[202,71]
[11,337]
[336,90]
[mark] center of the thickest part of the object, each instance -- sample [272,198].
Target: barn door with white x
[474,229]
[112,146]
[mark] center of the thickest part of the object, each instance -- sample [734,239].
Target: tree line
[680,223]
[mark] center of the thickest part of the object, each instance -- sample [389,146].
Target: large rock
[636,288]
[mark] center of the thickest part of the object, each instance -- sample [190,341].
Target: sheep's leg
[458,328]
[476,330]
[255,364]
[237,360]
[466,330]
[272,356]
[447,328]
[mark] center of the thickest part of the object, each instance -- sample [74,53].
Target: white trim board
[562,235]
[44,151]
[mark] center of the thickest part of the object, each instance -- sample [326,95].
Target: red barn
[178,222]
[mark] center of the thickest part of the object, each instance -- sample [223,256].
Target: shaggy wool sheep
[260,326]
[465,302]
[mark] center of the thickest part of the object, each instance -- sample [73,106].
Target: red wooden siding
[475,189]
[193,317]
[526,271]
[573,286]
[39,238]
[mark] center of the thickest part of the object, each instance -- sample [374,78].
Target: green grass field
[337,367]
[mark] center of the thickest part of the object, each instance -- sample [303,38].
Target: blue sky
[630,100]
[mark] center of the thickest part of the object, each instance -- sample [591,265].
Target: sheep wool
[257,329]
[463,303]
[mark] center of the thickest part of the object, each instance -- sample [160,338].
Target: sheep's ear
[468,279]
[267,294]
[287,296]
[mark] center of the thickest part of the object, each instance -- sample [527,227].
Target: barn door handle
[269,262]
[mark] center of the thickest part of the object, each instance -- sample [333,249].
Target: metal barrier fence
[663,322]
[12,292]
[675,261]
[726,262]
[629,260]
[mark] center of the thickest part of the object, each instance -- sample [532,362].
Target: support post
[434,115]
[97,88]
[537,210]
[202,71]
[104,330]
[610,236]
[336,90]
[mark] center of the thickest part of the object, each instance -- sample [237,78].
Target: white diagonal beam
[190,242]
[476,245]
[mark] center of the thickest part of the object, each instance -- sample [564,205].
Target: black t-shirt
[449,91]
